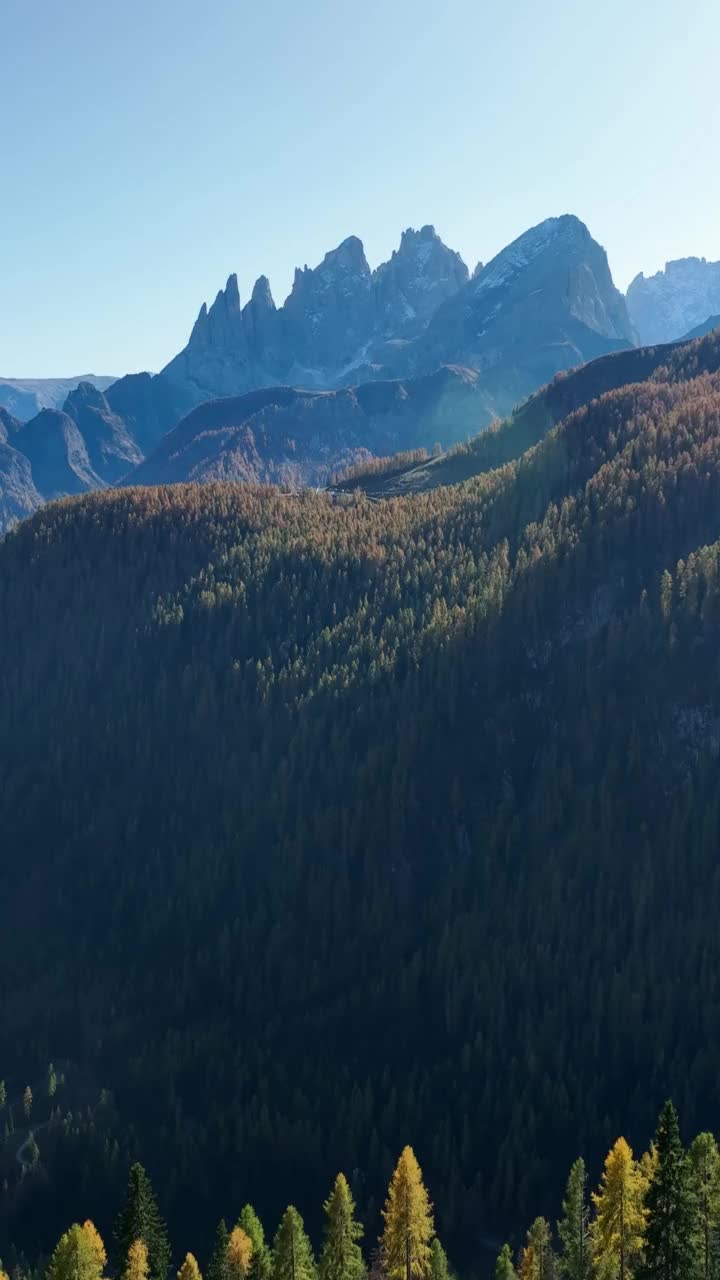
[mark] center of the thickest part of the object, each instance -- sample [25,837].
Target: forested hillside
[655,1216]
[329,823]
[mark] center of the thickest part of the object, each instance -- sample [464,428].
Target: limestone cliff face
[545,303]
[332,328]
[421,275]
[674,302]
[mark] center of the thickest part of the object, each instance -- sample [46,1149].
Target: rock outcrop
[332,329]
[675,301]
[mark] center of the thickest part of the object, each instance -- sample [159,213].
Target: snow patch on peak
[553,232]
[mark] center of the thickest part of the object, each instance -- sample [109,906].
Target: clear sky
[150,147]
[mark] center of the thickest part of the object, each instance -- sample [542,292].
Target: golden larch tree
[95,1244]
[78,1255]
[137,1265]
[619,1227]
[189,1269]
[239,1254]
[528,1269]
[408,1221]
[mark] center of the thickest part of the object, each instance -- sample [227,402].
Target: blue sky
[151,147]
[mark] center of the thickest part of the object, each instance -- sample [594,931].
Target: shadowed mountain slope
[296,437]
[379,817]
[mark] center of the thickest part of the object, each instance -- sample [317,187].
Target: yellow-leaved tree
[619,1227]
[649,1163]
[137,1265]
[78,1255]
[189,1269]
[408,1221]
[528,1268]
[238,1256]
[95,1243]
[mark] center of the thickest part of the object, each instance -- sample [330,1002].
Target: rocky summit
[418,324]
[546,302]
[331,329]
[676,301]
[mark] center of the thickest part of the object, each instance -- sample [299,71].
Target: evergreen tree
[539,1239]
[239,1254]
[137,1266]
[575,1262]
[378,1265]
[439,1269]
[51,1081]
[217,1266]
[408,1221]
[504,1269]
[189,1269]
[261,1265]
[619,1227]
[3,1094]
[670,1252]
[292,1254]
[32,1151]
[78,1255]
[140,1220]
[27,1101]
[341,1257]
[705,1184]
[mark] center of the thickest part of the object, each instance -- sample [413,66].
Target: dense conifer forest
[328,823]
[654,1217]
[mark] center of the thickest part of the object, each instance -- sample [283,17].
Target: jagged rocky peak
[262,294]
[670,303]
[263,332]
[231,295]
[224,319]
[345,267]
[329,313]
[553,237]
[418,277]
[219,325]
[560,255]
[85,396]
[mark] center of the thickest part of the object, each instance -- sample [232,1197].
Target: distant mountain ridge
[707,326]
[332,328]
[545,303]
[78,448]
[676,300]
[285,435]
[24,397]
